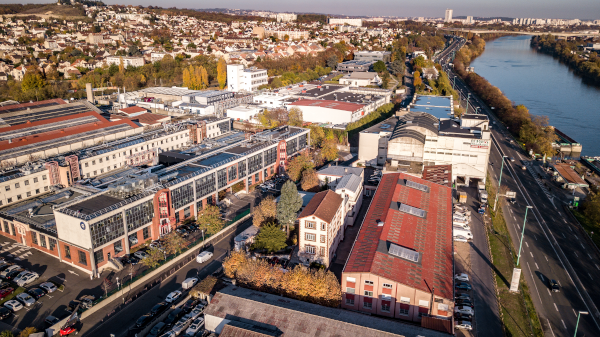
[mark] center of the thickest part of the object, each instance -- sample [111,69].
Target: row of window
[313,237]
[182,196]
[312,225]
[107,230]
[27,195]
[26,183]
[308,249]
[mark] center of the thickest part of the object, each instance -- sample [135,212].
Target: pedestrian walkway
[15,250]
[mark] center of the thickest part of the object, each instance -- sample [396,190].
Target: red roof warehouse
[403,253]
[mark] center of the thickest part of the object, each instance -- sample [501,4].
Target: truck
[483,196]
[462,197]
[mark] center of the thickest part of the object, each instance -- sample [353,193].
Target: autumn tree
[121,66]
[417,79]
[174,243]
[222,73]
[209,219]
[6,333]
[329,149]
[289,204]
[266,211]
[310,181]
[155,256]
[270,237]
[298,164]
[32,79]
[27,332]
[295,117]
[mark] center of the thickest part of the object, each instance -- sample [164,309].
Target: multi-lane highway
[554,246]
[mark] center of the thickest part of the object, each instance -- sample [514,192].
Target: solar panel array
[403,253]
[417,186]
[412,210]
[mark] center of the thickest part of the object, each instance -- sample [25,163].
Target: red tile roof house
[401,263]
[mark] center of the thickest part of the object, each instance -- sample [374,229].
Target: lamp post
[522,234]
[499,182]
[577,325]
[454,83]
[468,97]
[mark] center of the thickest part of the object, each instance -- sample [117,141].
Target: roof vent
[380,223]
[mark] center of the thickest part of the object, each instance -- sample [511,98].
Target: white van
[462,232]
[203,257]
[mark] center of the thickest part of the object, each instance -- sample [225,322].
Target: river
[545,86]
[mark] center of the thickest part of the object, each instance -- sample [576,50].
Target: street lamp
[578,315]
[523,234]
[468,97]
[499,182]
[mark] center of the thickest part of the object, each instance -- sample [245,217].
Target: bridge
[483,31]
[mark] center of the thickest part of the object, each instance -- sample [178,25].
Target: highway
[554,246]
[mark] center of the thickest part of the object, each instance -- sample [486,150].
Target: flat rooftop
[352,97]
[94,204]
[170,91]
[323,90]
[216,159]
[439,101]
[438,112]
[384,126]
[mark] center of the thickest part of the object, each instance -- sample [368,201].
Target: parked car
[158,308]
[26,299]
[13,305]
[462,277]
[464,302]
[48,287]
[462,317]
[554,287]
[179,327]
[464,310]
[10,269]
[36,293]
[11,275]
[133,239]
[463,286]
[173,296]
[51,320]
[173,316]
[4,265]
[157,329]
[465,325]
[143,321]
[27,278]
[140,254]
[189,304]
[462,296]
[4,312]
[460,238]
[195,326]
[169,333]
[5,292]
[196,312]
[204,256]
[188,283]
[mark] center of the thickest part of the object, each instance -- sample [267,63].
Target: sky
[581,9]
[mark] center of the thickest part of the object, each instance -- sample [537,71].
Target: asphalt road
[119,323]
[553,246]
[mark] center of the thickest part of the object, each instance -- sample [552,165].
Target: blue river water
[545,86]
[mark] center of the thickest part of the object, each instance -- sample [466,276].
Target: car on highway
[464,325]
[26,299]
[524,168]
[554,287]
[462,317]
[4,312]
[512,159]
[13,305]
[27,278]
[464,310]
[143,321]
[462,277]
[36,293]
[173,296]
[140,254]
[158,308]
[48,287]
[195,326]
[204,256]
[463,286]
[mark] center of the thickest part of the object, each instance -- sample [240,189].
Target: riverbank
[570,53]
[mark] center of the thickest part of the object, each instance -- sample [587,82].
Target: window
[100,160]
[310,249]
[233,172]
[385,306]
[222,178]
[82,258]
[34,238]
[17,185]
[118,246]
[322,238]
[367,303]
[368,293]
[423,308]
[37,191]
[386,285]
[46,187]
[270,156]
[369,282]
[255,163]
[292,146]
[28,194]
[98,256]
[310,237]
[44,177]
[322,251]
[68,252]
[350,290]
[146,232]
[9,200]
[404,306]
[182,196]
[323,226]
[43,240]
[87,164]
[19,197]
[310,224]
[242,168]
[107,230]
[26,182]
[349,300]
[139,215]
[52,243]
[7,187]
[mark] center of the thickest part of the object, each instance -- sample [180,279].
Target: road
[120,322]
[553,246]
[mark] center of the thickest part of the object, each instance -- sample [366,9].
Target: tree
[417,79]
[288,206]
[295,117]
[210,220]
[329,149]
[270,237]
[154,258]
[397,67]
[174,243]
[6,333]
[266,211]
[298,164]
[32,79]
[27,331]
[310,181]
[385,82]
[121,65]
[332,61]
[379,66]
[222,73]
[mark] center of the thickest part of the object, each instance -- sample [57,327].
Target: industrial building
[90,222]
[355,65]
[331,112]
[373,56]
[401,264]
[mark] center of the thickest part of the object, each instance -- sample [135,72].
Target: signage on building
[480,143]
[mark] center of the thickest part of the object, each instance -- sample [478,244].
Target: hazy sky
[582,9]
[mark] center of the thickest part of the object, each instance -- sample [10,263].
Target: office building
[448,17]
[361,79]
[373,56]
[241,79]
[401,264]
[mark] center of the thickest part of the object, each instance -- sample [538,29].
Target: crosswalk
[15,250]
[536,176]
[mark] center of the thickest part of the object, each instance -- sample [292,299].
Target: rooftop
[438,112]
[293,318]
[439,174]
[416,216]
[324,205]
[570,176]
[385,126]
[439,101]
[320,90]
[334,170]
[351,107]
[94,204]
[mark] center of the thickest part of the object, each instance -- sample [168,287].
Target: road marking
[565,221]
[577,237]
[72,272]
[526,244]
[582,246]
[555,307]
[559,282]
[547,258]
[511,210]
[563,323]
[563,234]
[531,254]
[574,313]
[514,218]
[537,266]
[549,293]
[597,266]
[576,253]
[590,276]
[589,255]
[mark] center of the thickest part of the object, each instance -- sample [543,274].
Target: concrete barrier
[152,275]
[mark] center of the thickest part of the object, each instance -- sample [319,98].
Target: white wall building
[361,79]
[246,112]
[127,61]
[448,17]
[341,22]
[326,111]
[286,17]
[245,80]
[271,100]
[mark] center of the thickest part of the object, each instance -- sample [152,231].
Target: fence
[149,278]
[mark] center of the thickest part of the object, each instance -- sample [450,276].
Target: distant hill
[45,10]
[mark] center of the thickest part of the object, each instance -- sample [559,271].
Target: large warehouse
[326,111]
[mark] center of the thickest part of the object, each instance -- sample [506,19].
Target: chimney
[90,93]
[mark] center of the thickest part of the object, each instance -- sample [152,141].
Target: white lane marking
[555,307]
[547,259]
[570,228]
[526,244]
[576,253]
[563,323]
[589,255]
[565,221]
[550,327]
[597,266]
[574,313]
[549,293]
[511,210]
[590,276]
[534,283]
[582,246]
[537,266]
[531,254]
[563,234]
[514,218]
